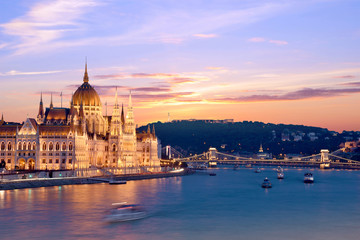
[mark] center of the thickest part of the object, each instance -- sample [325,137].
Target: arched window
[51,146]
[19,146]
[70,146]
[2,146]
[114,148]
[29,146]
[24,146]
[9,146]
[34,146]
[63,146]
[44,146]
[57,146]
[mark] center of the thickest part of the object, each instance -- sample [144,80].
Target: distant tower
[261,149]
[41,115]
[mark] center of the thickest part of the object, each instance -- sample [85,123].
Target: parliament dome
[86,94]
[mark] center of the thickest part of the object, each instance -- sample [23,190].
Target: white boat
[258,170]
[308,178]
[112,181]
[279,169]
[123,212]
[280,175]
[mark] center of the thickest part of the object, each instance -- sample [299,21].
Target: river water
[231,205]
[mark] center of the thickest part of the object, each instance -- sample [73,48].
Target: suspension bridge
[212,157]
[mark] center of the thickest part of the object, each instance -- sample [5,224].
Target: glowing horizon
[269,61]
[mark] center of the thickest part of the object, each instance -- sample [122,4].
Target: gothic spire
[153,130]
[122,114]
[51,103]
[41,107]
[148,130]
[86,77]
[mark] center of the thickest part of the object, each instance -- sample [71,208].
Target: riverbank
[50,182]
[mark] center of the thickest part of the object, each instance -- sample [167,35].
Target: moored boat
[266,183]
[308,178]
[117,181]
[280,175]
[258,170]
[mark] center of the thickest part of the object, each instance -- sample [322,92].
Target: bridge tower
[324,161]
[212,157]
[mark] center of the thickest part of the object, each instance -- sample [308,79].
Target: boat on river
[112,181]
[258,170]
[123,212]
[280,175]
[266,183]
[308,178]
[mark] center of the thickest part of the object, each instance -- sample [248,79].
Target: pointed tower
[51,103]
[86,76]
[129,138]
[41,114]
[122,114]
[115,128]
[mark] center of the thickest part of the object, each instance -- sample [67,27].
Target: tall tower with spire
[129,138]
[41,114]
[115,129]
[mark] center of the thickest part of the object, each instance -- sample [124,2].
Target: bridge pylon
[324,161]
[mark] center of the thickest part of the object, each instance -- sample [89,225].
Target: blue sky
[273,61]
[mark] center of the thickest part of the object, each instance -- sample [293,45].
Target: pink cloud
[345,76]
[205,35]
[256,39]
[278,42]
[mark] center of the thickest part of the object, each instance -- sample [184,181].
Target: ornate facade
[78,137]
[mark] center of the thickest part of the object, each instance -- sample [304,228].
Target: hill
[197,136]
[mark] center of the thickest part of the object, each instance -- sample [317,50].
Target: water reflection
[227,206]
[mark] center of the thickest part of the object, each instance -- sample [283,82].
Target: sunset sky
[292,62]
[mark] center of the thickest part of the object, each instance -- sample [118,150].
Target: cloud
[260,39]
[256,39]
[345,76]
[353,84]
[50,25]
[205,35]
[46,22]
[15,73]
[278,42]
[302,94]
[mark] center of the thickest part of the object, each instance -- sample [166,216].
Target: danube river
[231,205]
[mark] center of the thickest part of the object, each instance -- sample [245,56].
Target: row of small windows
[57,146]
[29,146]
[9,146]
[22,146]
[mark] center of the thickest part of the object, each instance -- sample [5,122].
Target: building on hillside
[78,137]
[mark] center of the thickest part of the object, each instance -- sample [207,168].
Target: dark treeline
[192,137]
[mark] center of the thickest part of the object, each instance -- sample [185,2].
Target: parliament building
[78,137]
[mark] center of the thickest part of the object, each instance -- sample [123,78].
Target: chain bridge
[324,159]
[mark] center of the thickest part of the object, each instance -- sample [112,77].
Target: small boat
[125,212]
[117,181]
[266,183]
[308,178]
[212,174]
[248,165]
[258,170]
[280,175]
[279,169]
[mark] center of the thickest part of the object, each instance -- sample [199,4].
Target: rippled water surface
[231,205]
